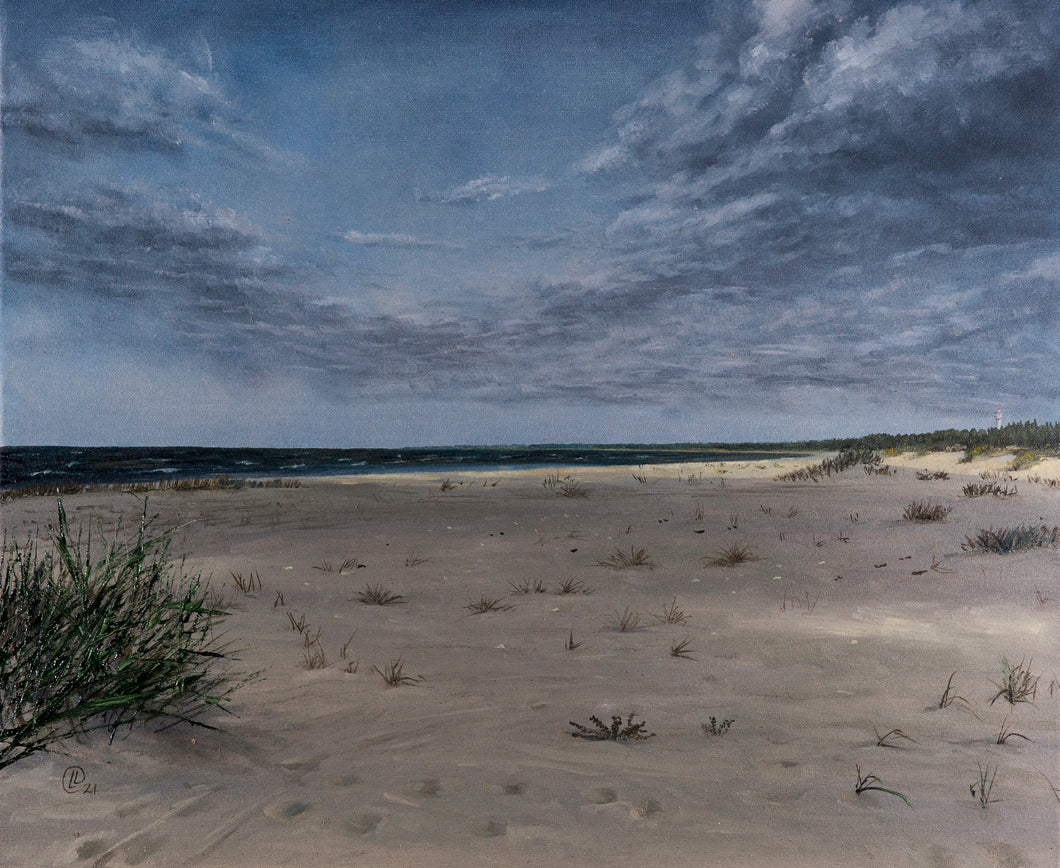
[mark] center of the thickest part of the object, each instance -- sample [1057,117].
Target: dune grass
[621,559]
[1007,540]
[1017,684]
[731,555]
[380,595]
[104,633]
[920,510]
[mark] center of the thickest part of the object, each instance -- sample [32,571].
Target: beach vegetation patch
[978,489]
[924,475]
[732,555]
[565,486]
[616,731]
[1026,458]
[1012,539]
[921,510]
[393,674]
[572,586]
[627,620]
[104,634]
[380,595]
[671,614]
[717,727]
[622,559]
[847,458]
[1017,684]
[486,604]
[528,586]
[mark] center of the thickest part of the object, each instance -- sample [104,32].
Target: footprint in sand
[362,824]
[489,829]
[646,808]
[425,787]
[601,795]
[287,810]
[341,781]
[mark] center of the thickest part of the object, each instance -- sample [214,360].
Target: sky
[311,223]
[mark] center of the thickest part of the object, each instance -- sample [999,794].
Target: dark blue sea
[47,465]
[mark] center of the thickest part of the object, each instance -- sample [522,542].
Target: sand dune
[851,620]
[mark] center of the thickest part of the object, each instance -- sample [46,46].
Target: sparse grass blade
[983,786]
[1017,684]
[867,782]
[682,649]
[626,621]
[671,614]
[393,674]
[887,739]
[572,586]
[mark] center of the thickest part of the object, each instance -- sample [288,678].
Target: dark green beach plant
[103,634]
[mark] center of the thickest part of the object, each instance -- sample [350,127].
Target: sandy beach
[845,628]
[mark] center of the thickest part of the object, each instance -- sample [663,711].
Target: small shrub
[731,555]
[716,727]
[617,731]
[1013,539]
[926,511]
[1023,459]
[925,475]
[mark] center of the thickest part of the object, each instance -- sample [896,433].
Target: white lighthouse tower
[997,417]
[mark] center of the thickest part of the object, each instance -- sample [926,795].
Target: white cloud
[391,239]
[488,188]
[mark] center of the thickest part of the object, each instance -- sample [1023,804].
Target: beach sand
[852,621]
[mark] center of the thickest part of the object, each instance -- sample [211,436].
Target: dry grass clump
[671,614]
[627,621]
[924,475]
[621,559]
[887,739]
[393,674]
[978,489]
[617,731]
[380,595]
[566,486]
[103,636]
[1012,539]
[246,584]
[731,555]
[572,586]
[526,586]
[920,510]
[488,604]
[682,650]
[983,785]
[1017,684]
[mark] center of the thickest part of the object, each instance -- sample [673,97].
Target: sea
[109,465]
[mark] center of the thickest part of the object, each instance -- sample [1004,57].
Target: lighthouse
[997,417]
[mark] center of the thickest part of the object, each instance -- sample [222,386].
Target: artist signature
[76,781]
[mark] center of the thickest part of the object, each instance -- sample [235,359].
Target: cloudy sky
[311,223]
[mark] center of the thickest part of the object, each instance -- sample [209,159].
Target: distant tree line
[1022,435]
